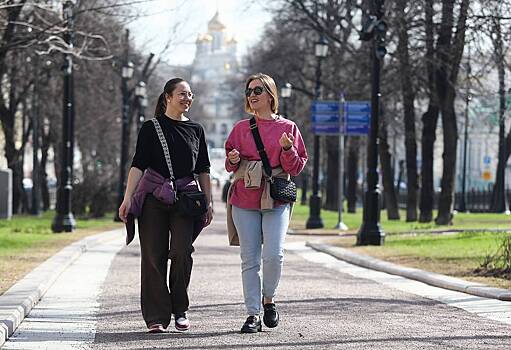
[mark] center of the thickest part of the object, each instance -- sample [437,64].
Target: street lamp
[314,220]
[36,208]
[126,75]
[64,220]
[370,232]
[463,200]
[141,93]
[285,92]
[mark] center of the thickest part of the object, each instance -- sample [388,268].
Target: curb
[431,278]
[351,233]
[17,301]
[336,233]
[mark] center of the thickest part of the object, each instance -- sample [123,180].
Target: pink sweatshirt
[292,161]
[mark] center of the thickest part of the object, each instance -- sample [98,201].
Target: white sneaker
[182,324]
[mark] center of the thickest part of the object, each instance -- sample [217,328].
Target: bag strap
[164,145]
[260,147]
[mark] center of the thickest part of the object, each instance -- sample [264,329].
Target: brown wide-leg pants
[157,221]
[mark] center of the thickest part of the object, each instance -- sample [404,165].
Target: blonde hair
[271,88]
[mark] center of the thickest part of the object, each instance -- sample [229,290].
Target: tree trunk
[429,121]
[450,132]
[45,147]
[332,178]
[499,202]
[450,45]
[498,198]
[408,96]
[389,190]
[352,169]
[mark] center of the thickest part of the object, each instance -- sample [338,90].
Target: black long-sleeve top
[187,147]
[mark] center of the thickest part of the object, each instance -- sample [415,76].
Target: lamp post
[64,220]
[340,152]
[370,232]
[36,208]
[314,220]
[126,75]
[285,92]
[141,93]
[463,200]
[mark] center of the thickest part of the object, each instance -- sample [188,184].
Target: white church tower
[214,65]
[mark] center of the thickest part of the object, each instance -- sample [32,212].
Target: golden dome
[232,40]
[214,25]
[202,38]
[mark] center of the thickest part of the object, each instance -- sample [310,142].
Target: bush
[498,264]
[93,199]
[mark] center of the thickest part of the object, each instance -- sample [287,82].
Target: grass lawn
[26,241]
[451,254]
[457,254]
[465,221]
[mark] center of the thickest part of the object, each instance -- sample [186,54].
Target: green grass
[472,245]
[458,254]
[24,231]
[464,221]
[26,241]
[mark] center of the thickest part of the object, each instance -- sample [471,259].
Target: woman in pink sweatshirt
[256,216]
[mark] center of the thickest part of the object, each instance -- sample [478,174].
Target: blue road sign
[355,107]
[357,117]
[326,129]
[357,129]
[325,117]
[322,107]
[487,160]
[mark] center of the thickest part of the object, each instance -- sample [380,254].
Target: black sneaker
[252,325]
[271,315]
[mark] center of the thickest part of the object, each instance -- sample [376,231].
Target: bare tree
[493,16]
[408,97]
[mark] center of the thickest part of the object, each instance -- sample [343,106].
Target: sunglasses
[258,90]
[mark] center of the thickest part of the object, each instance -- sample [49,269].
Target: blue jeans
[254,227]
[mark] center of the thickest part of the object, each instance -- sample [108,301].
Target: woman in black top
[189,156]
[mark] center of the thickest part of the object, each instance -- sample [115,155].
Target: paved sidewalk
[65,317]
[324,303]
[18,301]
[431,278]
[321,308]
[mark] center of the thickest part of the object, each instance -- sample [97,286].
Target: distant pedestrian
[155,180]
[255,216]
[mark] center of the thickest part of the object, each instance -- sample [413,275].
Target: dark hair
[170,86]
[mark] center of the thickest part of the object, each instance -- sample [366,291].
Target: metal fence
[476,201]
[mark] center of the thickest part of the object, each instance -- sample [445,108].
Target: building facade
[213,72]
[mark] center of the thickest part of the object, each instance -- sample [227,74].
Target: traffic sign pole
[340,224]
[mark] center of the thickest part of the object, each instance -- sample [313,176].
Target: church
[214,77]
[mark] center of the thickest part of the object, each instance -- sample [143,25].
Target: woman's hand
[124,209]
[209,215]
[234,156]
[286,141]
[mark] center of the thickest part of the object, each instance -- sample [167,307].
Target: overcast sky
[244,19]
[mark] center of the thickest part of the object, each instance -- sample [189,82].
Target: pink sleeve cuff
[231,167]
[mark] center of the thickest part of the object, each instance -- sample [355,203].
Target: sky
[183,20]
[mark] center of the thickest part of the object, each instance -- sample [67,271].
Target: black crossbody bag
[188,203]
[281,189]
